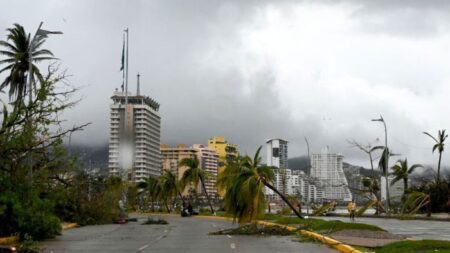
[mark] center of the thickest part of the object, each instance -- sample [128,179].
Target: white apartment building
[277,153]
[327,170]
[395,191]
[209,162]
[134,144]
[294,183]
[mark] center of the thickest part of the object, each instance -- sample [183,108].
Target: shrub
[23,212]
[151,221]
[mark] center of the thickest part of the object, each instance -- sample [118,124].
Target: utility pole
[308,175]
[386,162]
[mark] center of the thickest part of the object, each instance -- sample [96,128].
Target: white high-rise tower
[327,169]
[277,153]
[134,144]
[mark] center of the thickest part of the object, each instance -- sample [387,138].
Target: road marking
[214,225]
[165,231]
[143,247]
[232,245]
[229,236]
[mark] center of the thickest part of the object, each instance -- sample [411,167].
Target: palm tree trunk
[153,204]
[182,199]
[439,167]
[405,185]
[167,206]
[207,196]
[283,198]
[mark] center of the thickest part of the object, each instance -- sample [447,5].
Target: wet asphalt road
[181,235]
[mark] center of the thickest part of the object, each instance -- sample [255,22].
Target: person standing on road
[351,207]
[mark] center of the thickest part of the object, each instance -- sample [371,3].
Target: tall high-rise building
[208,161]
[277,153]
[134,144]
[328,170]
[225,150]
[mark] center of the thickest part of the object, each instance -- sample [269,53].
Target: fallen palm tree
[323,209]
[364,208]
[414,202]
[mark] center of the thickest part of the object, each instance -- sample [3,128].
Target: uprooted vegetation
[256,229]
[158,221]
[323,225]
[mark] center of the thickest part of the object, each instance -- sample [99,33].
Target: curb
[8,240]
[69,226]
[344,248]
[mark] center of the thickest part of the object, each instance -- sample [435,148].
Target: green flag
[123,54]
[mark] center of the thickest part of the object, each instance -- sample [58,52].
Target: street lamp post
[308,174]
[386,162]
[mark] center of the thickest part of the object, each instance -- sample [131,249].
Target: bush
[23,212]
[439,195]
[286,211]
[29,246]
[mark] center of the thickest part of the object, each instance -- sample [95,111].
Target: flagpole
[123,63]
[126,85]
[126,99]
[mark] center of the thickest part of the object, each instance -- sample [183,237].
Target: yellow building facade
[225,150]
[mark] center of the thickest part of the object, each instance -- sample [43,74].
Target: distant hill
[298,163]
[91,156]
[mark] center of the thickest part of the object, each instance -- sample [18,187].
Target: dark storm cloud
[193,60]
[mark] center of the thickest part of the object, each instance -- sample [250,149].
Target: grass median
[422,246]
[321,225]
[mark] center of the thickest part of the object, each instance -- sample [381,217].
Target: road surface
[415,229]
[181,235]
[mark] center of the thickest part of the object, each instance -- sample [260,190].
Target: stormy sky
[254,70]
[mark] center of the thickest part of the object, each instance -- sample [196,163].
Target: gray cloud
[196,60]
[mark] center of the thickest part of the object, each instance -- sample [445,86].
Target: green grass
[425,246]
[323,225]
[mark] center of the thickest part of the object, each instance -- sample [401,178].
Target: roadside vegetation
[423,246]
[152,221]
[256,229]
[41,184]
[319,225]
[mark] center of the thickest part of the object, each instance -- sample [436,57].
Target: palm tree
[152,187]
[17,60]
[193,175]
[402,171]
[170,187]
[244,196]
[440,147]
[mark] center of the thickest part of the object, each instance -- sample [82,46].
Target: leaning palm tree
[245,198]
[226,176]
[440,147]
[402,171]
[170,185]
[193,176]
[17,47]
